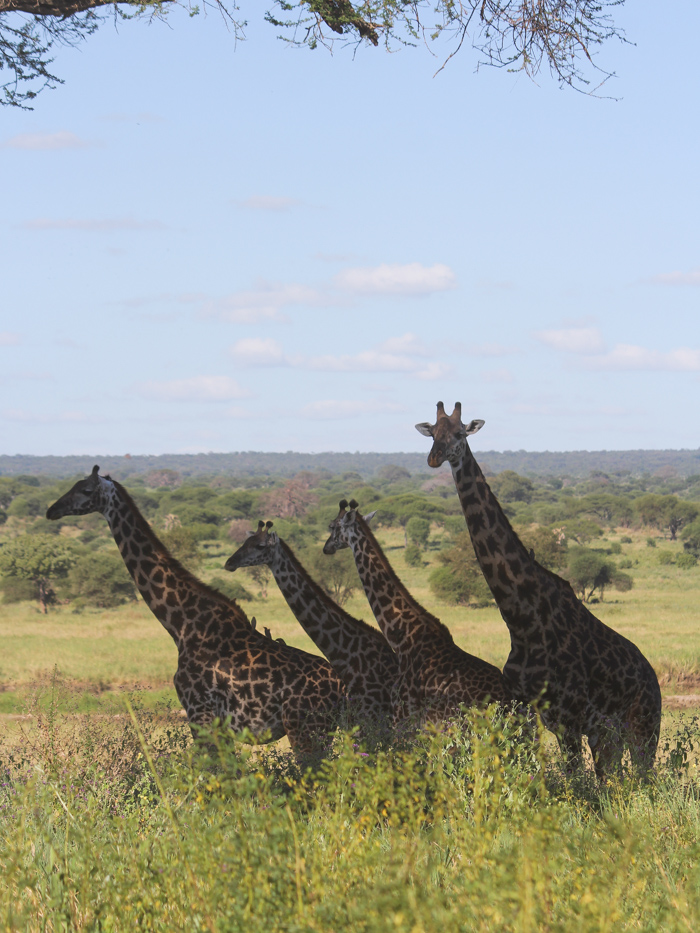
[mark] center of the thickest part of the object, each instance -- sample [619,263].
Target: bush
[459,580]
[651,542]
[182,544]
[412,555]
[449,586]
[549,546]
[664,557]
[625,539]
[231,589]
[15,590]
[101,579]
[686,560]
[418,530]
[615,547]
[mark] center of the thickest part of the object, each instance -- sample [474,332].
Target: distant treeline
[575,463]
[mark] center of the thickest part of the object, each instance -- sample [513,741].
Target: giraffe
[358,652]
[226,668]
[436,676]
[593,681]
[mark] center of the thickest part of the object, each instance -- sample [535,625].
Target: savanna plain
[113,819]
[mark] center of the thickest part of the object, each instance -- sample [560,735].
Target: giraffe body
[436,676]
[226,669]
[358,652]
[591,680]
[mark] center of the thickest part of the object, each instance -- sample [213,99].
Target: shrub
[459,580]
[625,539]
[231,588]
[412,555]
[418,530]
[588,571]
[651,542]
[101,579]
[549,546]
[686,560]
[182,544]
[15,590]
[615,547]
[664,557]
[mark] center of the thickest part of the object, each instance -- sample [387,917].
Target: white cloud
[677,278]
[61,140]
[8,339]
[263,303]
[374,361]
[257,351]
[413,278]
[264,202]
[93,225]
[262,352]
[626,356]
[407,343]
[486,349]
[331,409]
[573,339]
[194,389]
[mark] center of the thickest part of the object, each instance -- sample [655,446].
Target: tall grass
[132,827]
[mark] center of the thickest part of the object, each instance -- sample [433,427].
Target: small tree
[460,580]
[40,559]
[337,574]
[418,530]
[102,580]
[182,544]
[549,545]
[589,571]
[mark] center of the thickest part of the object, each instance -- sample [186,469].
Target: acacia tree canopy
[561,35]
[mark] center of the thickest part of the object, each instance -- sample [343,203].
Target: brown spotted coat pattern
[226,669]
[436,676]
[358,652]
[593,681]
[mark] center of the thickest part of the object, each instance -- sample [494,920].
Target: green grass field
[102,649]
[111,823]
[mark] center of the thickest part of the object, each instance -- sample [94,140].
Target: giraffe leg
[643,739]
[570,744]
[607,756]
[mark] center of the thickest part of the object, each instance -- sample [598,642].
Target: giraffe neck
[505,562]
[340,636]
[165,585]
[402,620]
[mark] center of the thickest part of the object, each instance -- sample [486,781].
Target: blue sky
[211,245]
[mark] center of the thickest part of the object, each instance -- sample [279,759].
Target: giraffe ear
[368,518]
[425,428]
[473,426]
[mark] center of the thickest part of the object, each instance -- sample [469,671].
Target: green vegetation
[106,826]
[126,825]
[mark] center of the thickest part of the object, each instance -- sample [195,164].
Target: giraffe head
[258,548]
[449,434]
[342,527]
[88,495]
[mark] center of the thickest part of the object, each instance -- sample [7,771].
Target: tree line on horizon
[564,519]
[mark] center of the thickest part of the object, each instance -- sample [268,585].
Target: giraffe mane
[315,586]
[190,578]
[414,604]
